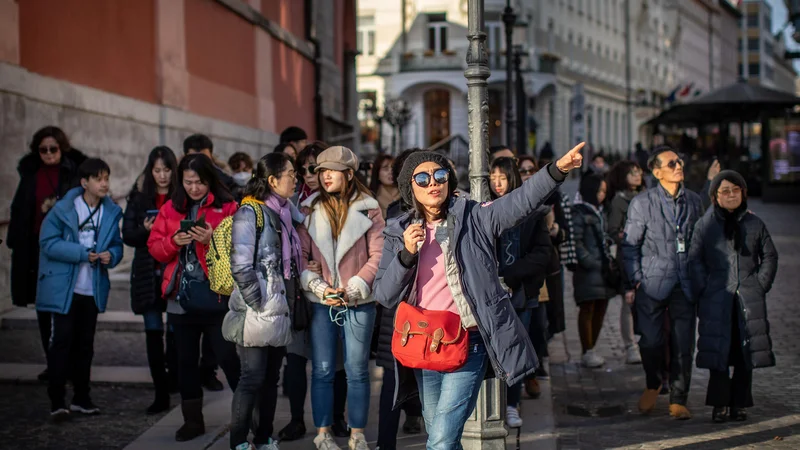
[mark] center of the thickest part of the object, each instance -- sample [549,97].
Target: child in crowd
[80,240]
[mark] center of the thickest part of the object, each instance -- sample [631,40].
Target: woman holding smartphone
[152,189]
[193,309]
[344,236]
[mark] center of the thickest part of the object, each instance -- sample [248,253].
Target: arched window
[437,115]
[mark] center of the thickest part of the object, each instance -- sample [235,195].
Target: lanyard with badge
[680,242]
[95,226]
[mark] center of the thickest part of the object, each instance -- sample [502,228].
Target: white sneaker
[325,442]
[512,417]
[271,445]
[592,360]
[243,446]
[358,442]
[632,355]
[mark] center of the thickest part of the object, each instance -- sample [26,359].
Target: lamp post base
[485,429]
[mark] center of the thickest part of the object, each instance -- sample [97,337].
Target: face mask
[242,178]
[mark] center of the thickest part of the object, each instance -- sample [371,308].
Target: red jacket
[168,222]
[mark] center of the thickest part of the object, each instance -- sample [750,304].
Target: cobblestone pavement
[596,409]
[111,348]
[24,424]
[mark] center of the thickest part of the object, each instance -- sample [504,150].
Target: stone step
[25,318]
[27,373]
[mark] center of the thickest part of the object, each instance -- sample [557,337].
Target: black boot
[295,430]
[156,360]
[719,414]
[194,424]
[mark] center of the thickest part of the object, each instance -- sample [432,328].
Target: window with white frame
[365,35]
[437,32]
[495,42]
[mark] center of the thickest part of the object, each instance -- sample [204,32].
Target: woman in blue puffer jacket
[448,263]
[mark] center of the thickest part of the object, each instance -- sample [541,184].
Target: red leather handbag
[431,340]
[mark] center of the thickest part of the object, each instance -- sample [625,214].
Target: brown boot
[679,412]
[648,401]
[194,424]
[532,388]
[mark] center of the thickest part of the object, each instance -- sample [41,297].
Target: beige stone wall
[118,129]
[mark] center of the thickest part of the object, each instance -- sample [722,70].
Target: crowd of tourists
[261,266]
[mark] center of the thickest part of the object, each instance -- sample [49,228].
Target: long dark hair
[375,178]
[205,169]
[53,132]
[167,156]
[508,167]
[270,165]
[589,187]
[617,179]
[336,205]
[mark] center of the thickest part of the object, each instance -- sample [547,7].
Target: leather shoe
[719,414]
[412,425]
[738,414]
[213,384]
[679,412]
[293,431]
[532,388]
[340,428]
[648,401]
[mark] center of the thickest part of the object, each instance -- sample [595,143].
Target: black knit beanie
[412,162]
[730,175]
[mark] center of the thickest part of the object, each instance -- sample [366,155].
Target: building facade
[761,59]
[122,77]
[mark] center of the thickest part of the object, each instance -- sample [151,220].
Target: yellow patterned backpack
[218,257]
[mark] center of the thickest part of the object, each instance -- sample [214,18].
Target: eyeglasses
[45,150]
[524,172]
[312,169]
[635,172]
[423,179]
[732,191]
[675,163]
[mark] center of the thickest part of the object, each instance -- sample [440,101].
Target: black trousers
[208,361]
[296,386]
[736,391]
[682,323]
[388,418]
[71,350]
[45,322]
[258,385]
[189,330]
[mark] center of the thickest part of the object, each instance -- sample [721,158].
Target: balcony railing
[427,60]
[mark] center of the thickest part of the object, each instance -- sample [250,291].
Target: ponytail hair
[270,165]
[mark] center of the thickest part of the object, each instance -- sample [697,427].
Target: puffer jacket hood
[259,311]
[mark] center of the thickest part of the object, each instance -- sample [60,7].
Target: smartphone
[150,213]
[186,225]
[201,222]
[419,221]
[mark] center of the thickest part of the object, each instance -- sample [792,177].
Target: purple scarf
[290,239]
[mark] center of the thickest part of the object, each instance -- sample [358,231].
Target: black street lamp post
[509,19]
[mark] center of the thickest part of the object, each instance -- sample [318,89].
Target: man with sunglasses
[655,252]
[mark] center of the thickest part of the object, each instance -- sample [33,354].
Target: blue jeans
[356,334]
[153,320]
[448,398]
[514,393]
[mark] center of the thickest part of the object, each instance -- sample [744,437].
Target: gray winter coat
[588,230]
[724,279]
[649,246]
[476,227]
[259,311]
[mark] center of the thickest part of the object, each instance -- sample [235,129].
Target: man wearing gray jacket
[655,253]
